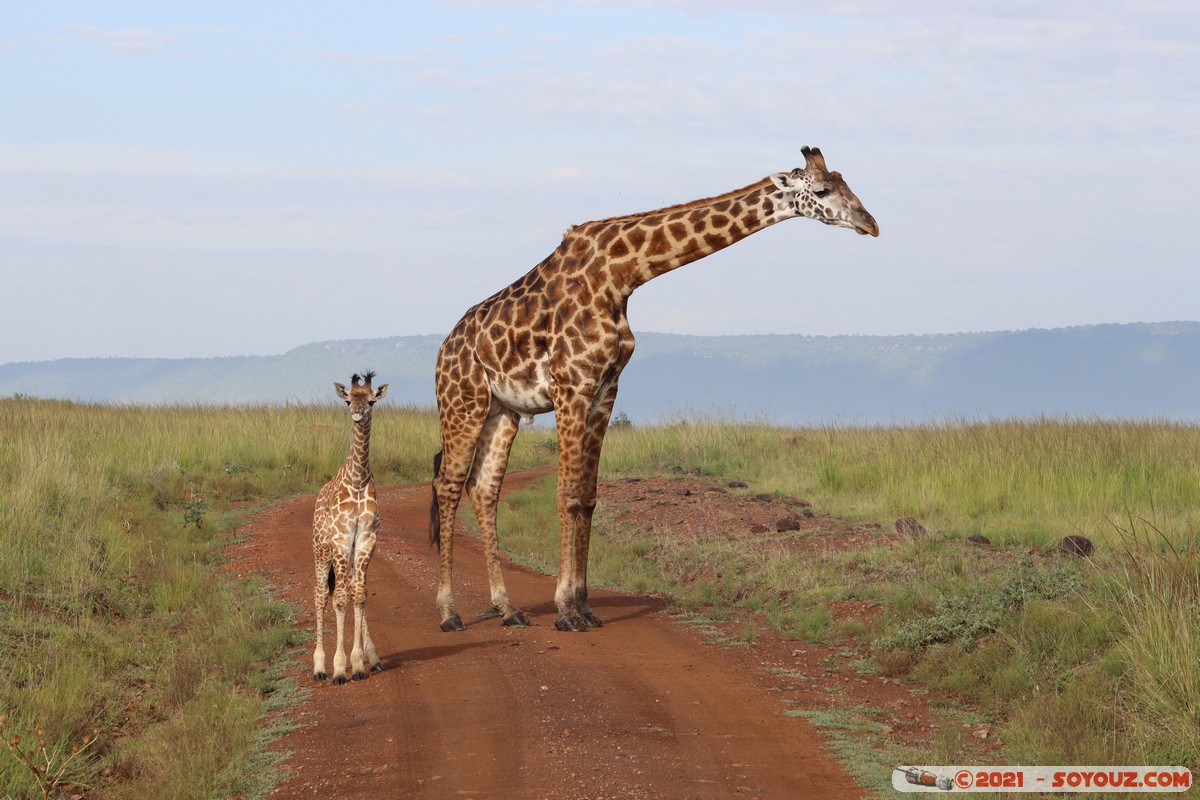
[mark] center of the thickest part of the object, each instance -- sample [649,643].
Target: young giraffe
[557,340]
[344,524]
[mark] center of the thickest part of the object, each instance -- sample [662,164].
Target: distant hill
[1145,370]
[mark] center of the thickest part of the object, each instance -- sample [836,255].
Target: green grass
[115,614]
[1015,481]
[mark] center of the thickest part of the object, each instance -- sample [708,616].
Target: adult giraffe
[557,340]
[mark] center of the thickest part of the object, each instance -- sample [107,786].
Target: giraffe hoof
[338,680]
[570,624]
[377,667]
[319,676]
[455,623]
[516,620]
[592,621]
[360,676]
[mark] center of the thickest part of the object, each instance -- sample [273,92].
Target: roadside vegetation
[133,663]
[1081,660]
[136,665]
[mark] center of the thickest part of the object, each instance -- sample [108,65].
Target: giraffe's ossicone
[345,525]
[557,340]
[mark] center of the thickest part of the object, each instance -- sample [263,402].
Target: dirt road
[641,708]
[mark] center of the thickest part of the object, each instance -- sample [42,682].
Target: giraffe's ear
[380,392]
[342,392]
[783,180]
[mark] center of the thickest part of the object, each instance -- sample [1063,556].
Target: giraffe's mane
[705,201]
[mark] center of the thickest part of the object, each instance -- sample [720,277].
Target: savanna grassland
[137,666]
[1086,661]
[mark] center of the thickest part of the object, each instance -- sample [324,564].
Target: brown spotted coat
[345,521]
[557,340]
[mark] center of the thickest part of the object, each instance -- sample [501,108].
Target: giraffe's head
[360,396]
[819,194]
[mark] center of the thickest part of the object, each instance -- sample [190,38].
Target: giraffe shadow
[610,608]
[423,654]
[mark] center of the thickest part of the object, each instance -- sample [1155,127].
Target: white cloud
[126,41]
[566,172]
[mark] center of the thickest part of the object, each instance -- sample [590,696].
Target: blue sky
[243,178]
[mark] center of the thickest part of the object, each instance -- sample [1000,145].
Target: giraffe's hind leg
[324,586]
[368,643]
[483,487]
[341,595]
[458,450]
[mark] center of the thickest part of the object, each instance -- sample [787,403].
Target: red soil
[643,707]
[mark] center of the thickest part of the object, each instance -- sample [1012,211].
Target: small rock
[1076,545]
[738,485]
[796,501]
[766,498]
[759,528]
[787,524]
[976,538]
[908,526]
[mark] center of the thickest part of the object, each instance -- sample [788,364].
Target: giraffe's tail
[435,518]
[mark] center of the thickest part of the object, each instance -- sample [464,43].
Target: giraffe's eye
[820,192]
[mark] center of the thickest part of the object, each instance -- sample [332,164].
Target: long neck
[640,247]
[358,462]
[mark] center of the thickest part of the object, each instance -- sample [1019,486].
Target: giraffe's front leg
[575,517]
[364,547]
[583,534]
[369,646]
[593,442]
[571,420]
[358,668]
